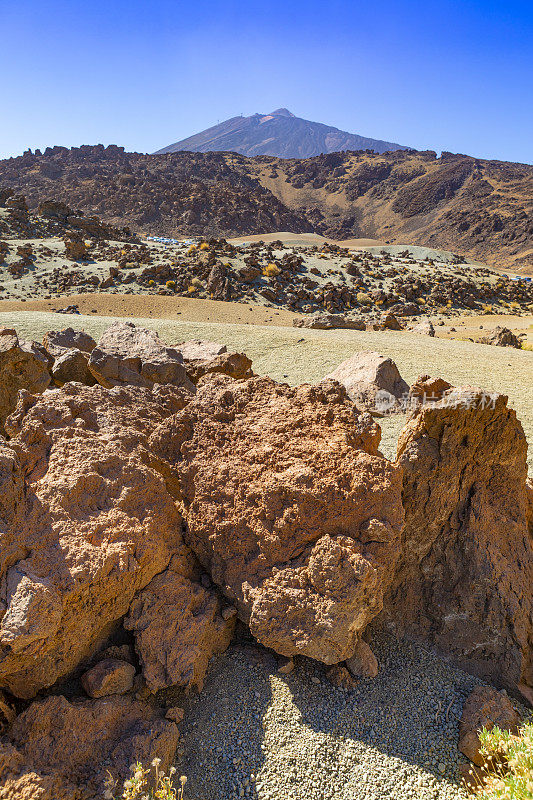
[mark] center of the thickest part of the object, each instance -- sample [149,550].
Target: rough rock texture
[178,627]
[21,367]
[372,381]
[94,526]
[61,750]
[72,365]
[486,708]
[109,676]
[127,355]
[56,342]
[425,327]
[427,390]
[327,321]
[202,358]
[502,337]
[363,663]
[465,579]
[290,508]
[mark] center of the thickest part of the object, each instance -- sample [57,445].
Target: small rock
[110,676]
[363,663]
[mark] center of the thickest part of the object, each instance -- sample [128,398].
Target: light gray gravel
[256,733]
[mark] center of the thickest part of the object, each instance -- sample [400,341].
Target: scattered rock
[204,358]
[72,365]
[340,677]
[425,327]
[130,355]
[363,663]
[372,381]
[501,337]
[486,708]
[56,342]
[328,321]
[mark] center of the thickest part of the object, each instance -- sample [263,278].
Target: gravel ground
[256,733]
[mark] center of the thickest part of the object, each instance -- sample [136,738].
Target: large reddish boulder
[290,508]
[57,342]
[128,355]
[372,381]
[21,367]
[465,578]
[61,750]
[87,522]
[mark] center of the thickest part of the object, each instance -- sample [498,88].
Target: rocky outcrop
[88,522]
[466,571]
[130,355]
[109,676]
[203,358]
[178,626]
[289,507]
[61,750]
[372,381]
[21,367]
[485,708]
[502,337]
[72,365]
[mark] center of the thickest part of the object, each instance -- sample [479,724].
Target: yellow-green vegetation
[271,270]
[204,246]
[147,785]
[509,775]
[170,284]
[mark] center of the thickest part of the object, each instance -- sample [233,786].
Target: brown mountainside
[479,208]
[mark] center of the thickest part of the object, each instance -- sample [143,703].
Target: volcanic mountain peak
[279,133]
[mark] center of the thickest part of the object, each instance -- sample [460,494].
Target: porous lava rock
[61,750]
[501,337]
[328,321]
[290,508]
[203,357]
[21,367]
[178,627]
[72,365]
[56,342]
[372,381]
[131,355]
[465,579]
[87,523]
[485,707]
[108,676]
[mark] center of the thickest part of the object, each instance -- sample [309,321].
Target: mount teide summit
[280,134]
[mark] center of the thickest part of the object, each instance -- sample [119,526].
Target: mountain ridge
[279,133]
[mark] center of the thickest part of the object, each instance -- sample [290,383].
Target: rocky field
[56,251]
[479,208]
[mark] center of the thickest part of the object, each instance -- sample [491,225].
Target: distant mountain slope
[280,134]
[482,209]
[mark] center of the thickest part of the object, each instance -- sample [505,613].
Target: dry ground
[296,355]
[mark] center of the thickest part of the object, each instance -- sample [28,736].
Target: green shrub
[509,759]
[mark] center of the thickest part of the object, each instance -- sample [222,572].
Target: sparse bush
[508,774]
[151,283]
[487,309]
[171,285]
[527,346]
[204,246]
[191,250]
[138,786]
[197,283]
[271,270]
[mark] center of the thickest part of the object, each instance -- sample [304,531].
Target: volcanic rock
[363,663]
[128,355]
[178,627]
[91,526]
[56,342]
[425,327]
[464,582]
[21,367]
[289,507]
[109,676]
[372,381]
[61,750]
[203,358]
[486,708]
[72,365]
[501,337]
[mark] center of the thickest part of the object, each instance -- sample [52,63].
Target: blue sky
[444,75]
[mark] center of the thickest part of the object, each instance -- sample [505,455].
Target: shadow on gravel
[256,733]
